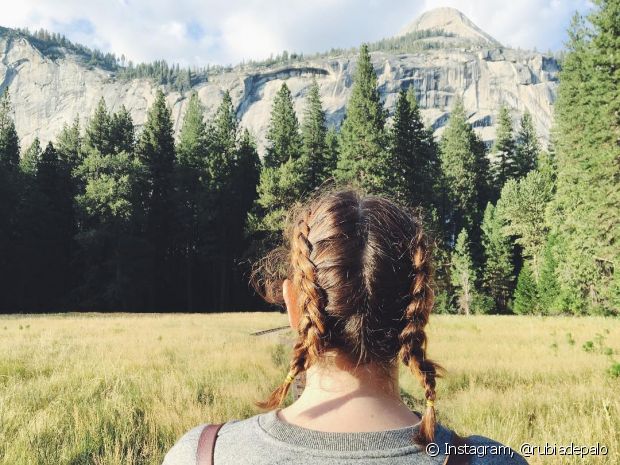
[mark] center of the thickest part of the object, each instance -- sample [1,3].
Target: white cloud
[246,36]
[200,31]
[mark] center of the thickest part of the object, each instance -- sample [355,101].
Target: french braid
[413,337]
[311,300]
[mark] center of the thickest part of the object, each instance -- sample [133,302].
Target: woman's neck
[340,397]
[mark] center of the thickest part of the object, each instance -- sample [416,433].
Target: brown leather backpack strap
[206,444]
[457,458]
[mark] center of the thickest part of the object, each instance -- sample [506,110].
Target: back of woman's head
[361,269]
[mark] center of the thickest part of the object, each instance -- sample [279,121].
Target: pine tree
[112,249]
[313,132]
[522,207]
[69,144]
[585,218]
[497,276]
[504,166]
[427,176]
[222,143]
[362,136]
[98,129]
[526,298]
[279,188]
[55,229]
[122,131]
[283,138]
[548,286]
[243,195]
[9,141]
[223,222]
[413,156]
[156,151]
[527,146]
[191,150]
[247,173]
[402,151]
[465,171]
[332,151]
[11,187]
[31,158]
[463,273]
[192,179]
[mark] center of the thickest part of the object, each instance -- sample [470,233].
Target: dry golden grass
[120,389]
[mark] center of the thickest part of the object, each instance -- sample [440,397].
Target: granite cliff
[458,59]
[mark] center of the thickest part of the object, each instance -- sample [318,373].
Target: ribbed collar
[332,441]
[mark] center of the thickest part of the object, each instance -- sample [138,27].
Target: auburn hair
[361,267]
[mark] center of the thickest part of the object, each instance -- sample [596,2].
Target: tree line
[106,219]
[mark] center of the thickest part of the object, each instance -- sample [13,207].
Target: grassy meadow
[117,389]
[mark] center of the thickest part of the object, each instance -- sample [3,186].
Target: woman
[355,277]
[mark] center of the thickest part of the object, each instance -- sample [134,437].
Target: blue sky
[197,32]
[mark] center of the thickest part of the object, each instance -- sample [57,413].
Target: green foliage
[548,285]
[283,138]
[122,131]
[332,150]
[526,295]
[98,130]
[614,370]
[505,164]
[585,207]
[463,274]
[443,303]
[108,189]
[233,166]
[172,76]
[497,275]
[465,169]
[216,175]
[110,182]
[313,133]
[12,197]
[9,142]
[69,144]
[588,346]
[290,174]
[363,138]
[191,149]
[527,146]
[279,187]
[483,304]
[49,227]
[31,158]
[522,206]
[413,160]
[156,151]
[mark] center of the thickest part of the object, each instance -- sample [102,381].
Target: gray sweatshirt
[264,439]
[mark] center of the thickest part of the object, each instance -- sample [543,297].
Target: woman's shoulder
[183,452]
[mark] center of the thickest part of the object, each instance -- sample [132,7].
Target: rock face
[48,92]
[451,21]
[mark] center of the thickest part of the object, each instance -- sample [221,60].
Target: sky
[197,32]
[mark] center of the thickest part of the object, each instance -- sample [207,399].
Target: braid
[311,299]
[413,338]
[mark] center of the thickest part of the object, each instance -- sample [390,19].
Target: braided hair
[361,266]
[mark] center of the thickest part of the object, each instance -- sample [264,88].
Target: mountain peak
[451,21]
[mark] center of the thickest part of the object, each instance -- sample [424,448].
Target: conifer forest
[109,218]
